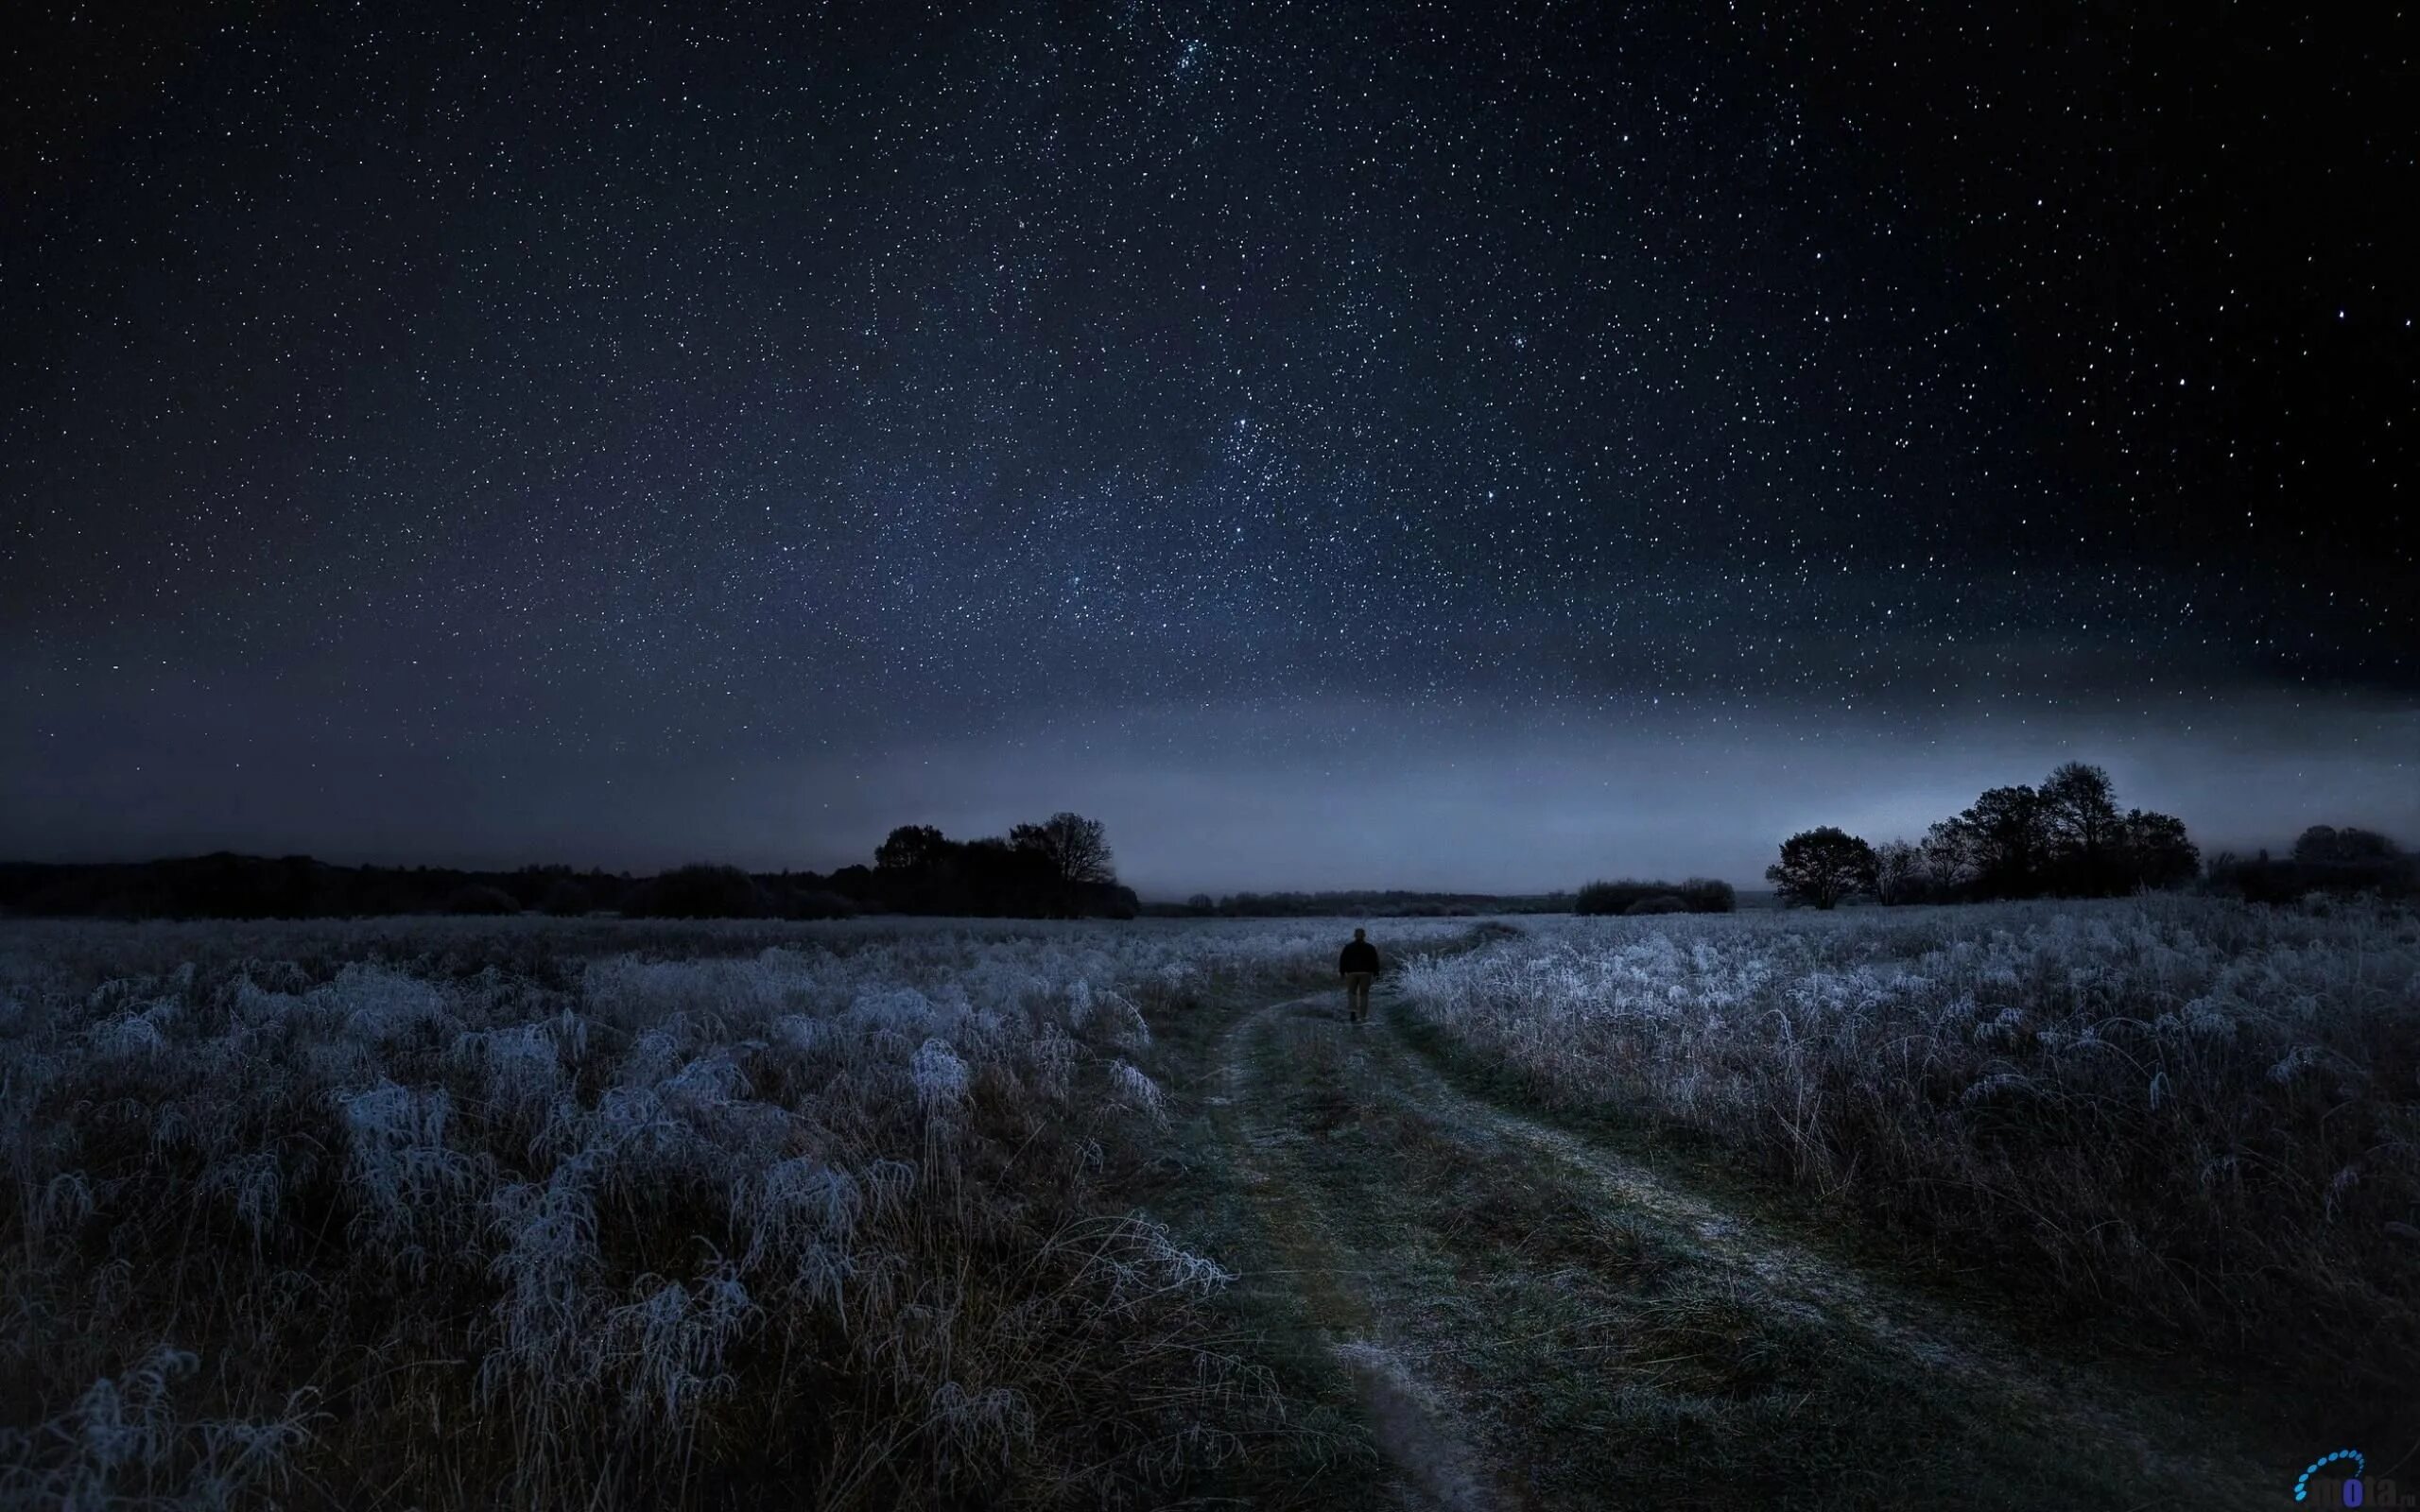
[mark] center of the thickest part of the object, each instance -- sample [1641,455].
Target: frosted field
[537,1213]
[2186,1110]
[602,1214]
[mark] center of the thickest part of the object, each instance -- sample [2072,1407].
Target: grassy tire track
[1536,1322]
[2161,1442]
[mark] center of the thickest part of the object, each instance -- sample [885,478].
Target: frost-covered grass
[448,1213]
[2179,1109]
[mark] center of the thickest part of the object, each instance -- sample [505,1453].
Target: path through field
[1533,1320]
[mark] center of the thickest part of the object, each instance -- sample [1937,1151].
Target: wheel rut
[1423,1410]
[1418,1424]
[2163,1444]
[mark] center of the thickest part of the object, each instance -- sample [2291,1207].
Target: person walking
[1359,965]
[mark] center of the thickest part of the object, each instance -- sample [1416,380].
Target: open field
[2198,1117]
[2016,1206]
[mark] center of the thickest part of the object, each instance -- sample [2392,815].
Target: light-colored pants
[1357,992]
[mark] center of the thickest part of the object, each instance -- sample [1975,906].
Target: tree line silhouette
[2325,859]
[1059,867]
[1698,895]
[1390,903]
[2067,838]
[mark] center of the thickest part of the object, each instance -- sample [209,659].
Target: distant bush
[2325,860]
[2351,860]
[566,899]
[225,886]
[2324,845]
[1698,895]
[1663,903]
[1603,897]
[698,891]
[817,903]
[1706,895]
[1391,903]
[479,899]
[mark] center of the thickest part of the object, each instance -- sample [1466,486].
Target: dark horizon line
[1177,897]
[1180,894]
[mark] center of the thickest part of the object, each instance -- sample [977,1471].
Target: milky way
[1337,445]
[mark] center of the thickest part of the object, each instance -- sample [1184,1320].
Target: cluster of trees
[1698,895]
[1391,903]
[704,890]
[225,886]
[2067,838]
[2325,859]
[1061,868]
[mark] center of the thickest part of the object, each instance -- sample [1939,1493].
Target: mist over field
[1349,795]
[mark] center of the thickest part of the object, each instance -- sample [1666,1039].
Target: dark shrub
[1105,900]
[2324,845]
[480,899]
[566,899]
[1707,894]
[1698,895]
[697,891]
[1602,897]
[2352,860]
[817,903]
[2324,860]
[2257,878]
[1666,903]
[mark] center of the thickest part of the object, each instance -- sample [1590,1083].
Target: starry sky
[1335,444]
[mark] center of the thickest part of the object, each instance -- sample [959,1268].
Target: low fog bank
[1212,800]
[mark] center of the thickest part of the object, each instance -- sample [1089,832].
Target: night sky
[1390,444]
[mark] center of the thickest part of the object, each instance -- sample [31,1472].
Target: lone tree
[1076,847]
[1821,867]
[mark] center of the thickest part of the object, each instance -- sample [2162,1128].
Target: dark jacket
[1360,955]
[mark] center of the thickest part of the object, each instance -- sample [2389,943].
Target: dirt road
[1534,1320]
